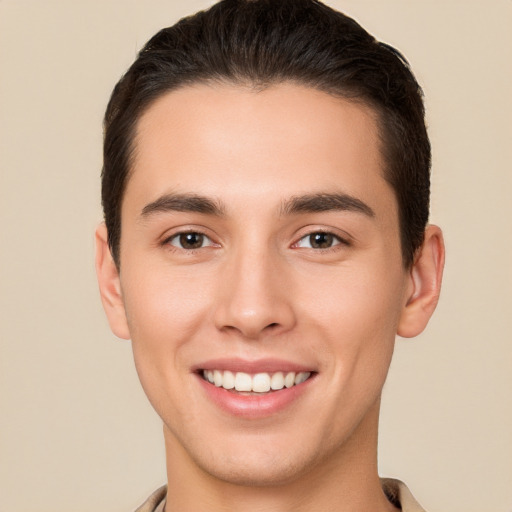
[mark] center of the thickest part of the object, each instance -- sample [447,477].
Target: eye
[319,240]
[190,240]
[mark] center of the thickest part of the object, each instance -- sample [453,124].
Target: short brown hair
[265,42]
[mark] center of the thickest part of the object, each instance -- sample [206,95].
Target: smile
[255,383]
[255,389]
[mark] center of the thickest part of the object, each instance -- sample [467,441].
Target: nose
[255,296]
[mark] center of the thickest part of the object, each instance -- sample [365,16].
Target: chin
[257,460]
[256,471]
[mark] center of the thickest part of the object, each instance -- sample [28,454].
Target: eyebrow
[308,203]
[324,202]
[183,203]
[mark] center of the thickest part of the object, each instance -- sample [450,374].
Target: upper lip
[266,365]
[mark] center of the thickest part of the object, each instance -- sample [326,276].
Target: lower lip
[254,405]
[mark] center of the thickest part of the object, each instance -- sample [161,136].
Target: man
[266,189]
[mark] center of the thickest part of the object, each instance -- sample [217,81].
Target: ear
[424,284]
[110,285]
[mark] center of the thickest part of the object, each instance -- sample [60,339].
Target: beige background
[76,431]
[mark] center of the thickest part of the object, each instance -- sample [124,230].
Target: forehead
[234,142]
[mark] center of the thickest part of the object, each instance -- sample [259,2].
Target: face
[261,277]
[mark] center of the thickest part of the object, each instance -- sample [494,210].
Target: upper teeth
[259,383]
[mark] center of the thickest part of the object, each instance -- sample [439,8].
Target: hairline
[375,110]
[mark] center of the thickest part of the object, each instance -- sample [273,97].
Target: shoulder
[156,502]
[398,493]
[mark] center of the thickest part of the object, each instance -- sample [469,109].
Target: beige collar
[396,491]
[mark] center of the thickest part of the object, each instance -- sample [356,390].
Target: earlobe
[110,285]
[424,284]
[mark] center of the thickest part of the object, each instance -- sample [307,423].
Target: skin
[256,288]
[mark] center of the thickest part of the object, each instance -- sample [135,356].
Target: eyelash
[335,240]
[177,236]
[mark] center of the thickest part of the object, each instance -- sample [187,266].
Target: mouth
[258,383]
[257,389]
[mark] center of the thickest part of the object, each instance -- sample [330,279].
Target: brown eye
[321,240]
[189,240]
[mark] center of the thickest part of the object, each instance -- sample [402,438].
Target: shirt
[396,491]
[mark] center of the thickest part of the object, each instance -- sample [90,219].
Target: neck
[345,482]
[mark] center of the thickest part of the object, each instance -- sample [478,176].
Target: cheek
[355,298]
[165,311]
[357,310]
[162,301]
